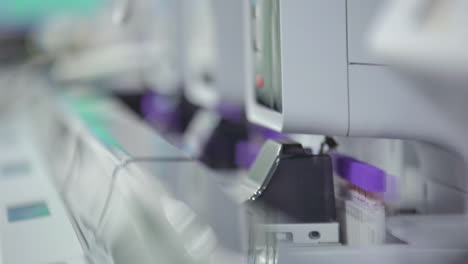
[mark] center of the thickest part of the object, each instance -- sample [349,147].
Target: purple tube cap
[359,173]
[157,108]
[231,111]
[266,133]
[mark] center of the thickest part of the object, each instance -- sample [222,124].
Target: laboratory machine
[215,46]
[215,50]
[310,78]
[86,180]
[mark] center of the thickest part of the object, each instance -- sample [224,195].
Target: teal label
[27,212]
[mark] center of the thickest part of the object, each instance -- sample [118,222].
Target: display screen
[28,211]
[267,50]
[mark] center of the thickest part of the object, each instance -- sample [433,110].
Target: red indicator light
[259,81]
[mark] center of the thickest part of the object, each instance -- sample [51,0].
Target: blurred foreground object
[115,46]
[424,35]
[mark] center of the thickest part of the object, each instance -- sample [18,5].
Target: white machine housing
[215,51]
[332,85]
[315,62]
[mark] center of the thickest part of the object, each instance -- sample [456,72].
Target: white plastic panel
[37,234]
[87,187]
[120,236]
[383,255]
[361,15]
[230,35]
[443,199]
[384,103]
[424,36]
[215,38]
[442,166]
[97,158]
[142,211]
[429,239]
[314,68]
